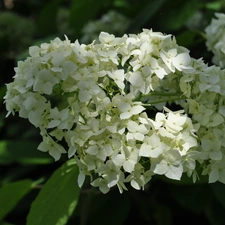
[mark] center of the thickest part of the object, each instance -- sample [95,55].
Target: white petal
[71,151]
[84,96]
[55,153]
[119,159]
[125,115]
[34,51]
[135,185]
[81,178]
[132,126]
[34,118]
[129,166]
[53,123]
[145,150]
[174,172]
[124,106]
[213,176]
[104,189]
[137,109]
[216,155]
[161,168]
[43,146]
[136,79]
[92,150]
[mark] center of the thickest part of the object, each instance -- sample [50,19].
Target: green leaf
[57,199]
[11,194]
[22,152]
[217,5]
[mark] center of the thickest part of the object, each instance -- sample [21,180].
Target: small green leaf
[22,152]
[214,5]
[57,199]
[11,194]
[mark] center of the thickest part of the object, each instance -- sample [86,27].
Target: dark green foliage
[145,15]
[9,153]
[16,33]
[83,11]
[46,21]
[10,195]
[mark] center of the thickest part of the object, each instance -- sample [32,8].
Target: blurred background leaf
[11,194]
[22,152]
[46,20]
[218,190]
[148,11]
[83,11]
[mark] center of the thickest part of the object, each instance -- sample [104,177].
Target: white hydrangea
[90,101]
[215,39]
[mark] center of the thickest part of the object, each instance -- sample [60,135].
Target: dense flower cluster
[90,101]
[215,39]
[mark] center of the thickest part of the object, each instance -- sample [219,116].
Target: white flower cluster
[89,102]
[206,97]
[215,39]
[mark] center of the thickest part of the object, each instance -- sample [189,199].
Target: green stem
[163,100]
[159,94]
[162,94]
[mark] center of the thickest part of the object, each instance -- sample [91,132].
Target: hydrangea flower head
[215,38]
[91,103]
